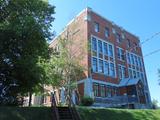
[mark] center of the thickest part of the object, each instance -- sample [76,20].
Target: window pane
[110,50]
[118,38]
[94,64]
[134,74]
[95,88]
[142,77]
[108,92]
[96,27]
[122,55]
[132,59]
[94,44]
[99,46]
[130,73]
[100,68]
[128,58]
[107,32]
[136,60]
[123,72]
[102,91]
[128,43]
[119,72]
[105,48]
[112,71]
[106,68]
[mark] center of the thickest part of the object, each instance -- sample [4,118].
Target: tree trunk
[30,99]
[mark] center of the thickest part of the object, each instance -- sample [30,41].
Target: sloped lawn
[118,114]
[45,113]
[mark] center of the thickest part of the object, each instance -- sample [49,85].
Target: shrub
[87,101]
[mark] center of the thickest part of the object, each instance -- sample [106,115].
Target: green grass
[25,113]
[45,113]
[118,114]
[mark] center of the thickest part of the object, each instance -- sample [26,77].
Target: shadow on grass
[25,113]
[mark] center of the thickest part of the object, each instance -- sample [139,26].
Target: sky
[140,17]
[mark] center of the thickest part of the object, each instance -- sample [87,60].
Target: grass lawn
[25,113]
[118,114]
[45,113]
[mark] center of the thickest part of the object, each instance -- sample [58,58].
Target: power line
[151,53]
[148,39]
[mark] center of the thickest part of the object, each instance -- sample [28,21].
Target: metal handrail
[54,106]
[72,108]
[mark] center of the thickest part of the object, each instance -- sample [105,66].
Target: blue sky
[140,17]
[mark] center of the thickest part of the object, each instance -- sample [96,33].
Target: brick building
[115,74]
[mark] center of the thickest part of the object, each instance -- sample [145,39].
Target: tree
[24,31]
[65,64]
[155,104]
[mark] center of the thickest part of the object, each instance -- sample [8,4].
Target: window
[100,67]
[95,89]
[94,64]
[132,59]
[142,77]
[96,27]
[118,38]
[112,71]
[108,93]
[120,54]
[130,73]
[113,30]
[139,62]
[128,43]
[115,91]
[105,48]
[94,44]
[110,51]
[99,46]
[134,74]
[138,74]
[128,58]
[106,68]
[102,91]
[135,46]
[121,71]
[136,60]
[106,32]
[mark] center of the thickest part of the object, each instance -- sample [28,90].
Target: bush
[87,101]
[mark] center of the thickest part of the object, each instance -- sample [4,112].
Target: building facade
[115,74]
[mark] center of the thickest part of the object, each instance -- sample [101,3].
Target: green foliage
[118,114]
[155,104]
[87,101]
[64,68]
[24,28]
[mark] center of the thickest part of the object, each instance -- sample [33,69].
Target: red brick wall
[81,89]
[112,39]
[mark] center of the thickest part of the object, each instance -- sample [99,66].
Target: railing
[117,100]
[72,108]
[54,106]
